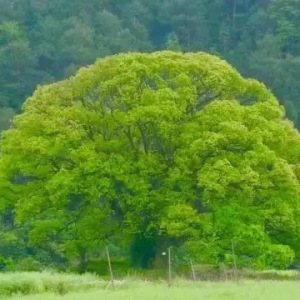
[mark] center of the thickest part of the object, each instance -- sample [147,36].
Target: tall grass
[183,290]
[29,283]
[48,286]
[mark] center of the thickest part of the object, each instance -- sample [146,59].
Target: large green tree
[156,150]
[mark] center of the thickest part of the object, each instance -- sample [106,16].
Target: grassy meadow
[48,286]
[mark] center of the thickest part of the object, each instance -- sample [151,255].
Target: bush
[279,257]
[100,267]
[27,265]
[6,263]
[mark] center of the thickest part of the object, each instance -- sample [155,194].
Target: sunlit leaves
[164,144]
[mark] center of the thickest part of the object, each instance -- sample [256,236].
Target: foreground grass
[30,283]
[183,290]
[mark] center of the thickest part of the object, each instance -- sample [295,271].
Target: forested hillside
[42,41]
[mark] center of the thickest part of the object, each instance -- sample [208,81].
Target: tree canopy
[156,150]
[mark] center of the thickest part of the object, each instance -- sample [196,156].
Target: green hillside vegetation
[143,152]
[45,41]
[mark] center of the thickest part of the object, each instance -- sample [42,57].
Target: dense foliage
[43,41]
[147,151]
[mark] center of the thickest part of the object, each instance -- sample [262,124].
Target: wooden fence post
[234,262]
[193,270]
[169,268]
[110,268]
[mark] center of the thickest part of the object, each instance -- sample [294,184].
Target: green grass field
[47,286]
[185,291]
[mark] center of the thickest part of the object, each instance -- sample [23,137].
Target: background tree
[51,40]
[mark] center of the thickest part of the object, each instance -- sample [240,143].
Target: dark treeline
[42,41]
